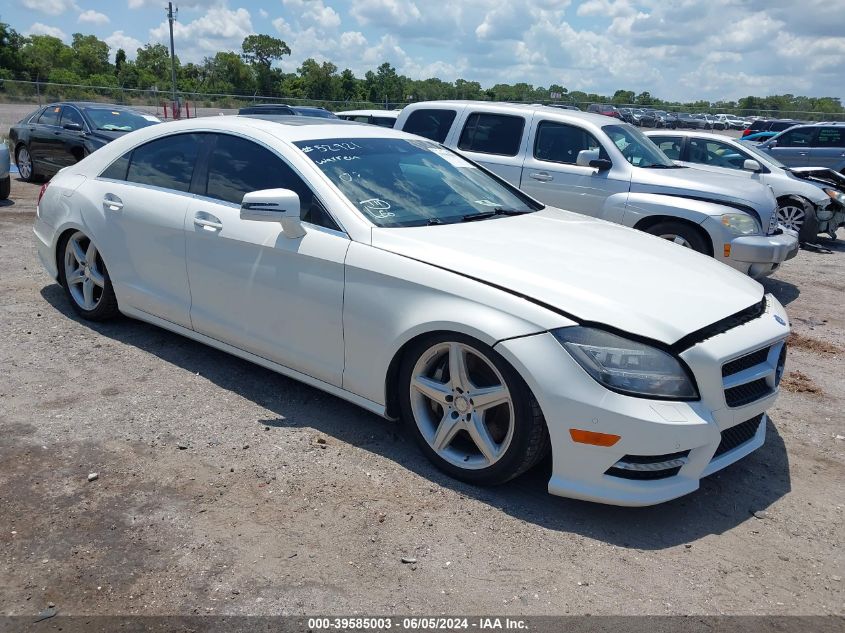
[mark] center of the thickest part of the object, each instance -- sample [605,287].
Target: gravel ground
[224,488]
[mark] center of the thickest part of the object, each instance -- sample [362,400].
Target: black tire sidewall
[106,307]
[513,459]
[5,187]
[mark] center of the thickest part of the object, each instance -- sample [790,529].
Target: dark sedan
[62,134]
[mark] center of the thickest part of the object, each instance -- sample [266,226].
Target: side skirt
[364,403]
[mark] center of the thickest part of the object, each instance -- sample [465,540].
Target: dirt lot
[224,488]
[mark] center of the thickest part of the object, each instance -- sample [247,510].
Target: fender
[643,205]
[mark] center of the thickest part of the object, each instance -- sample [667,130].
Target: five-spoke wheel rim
[792,217]
[24,163]
[84,271]
[677,239]
[462,405]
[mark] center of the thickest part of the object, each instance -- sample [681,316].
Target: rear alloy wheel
[85,278]
[24,162]
[800,217]
[681,234]
[469,410]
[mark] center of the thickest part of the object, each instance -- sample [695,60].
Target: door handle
[112,203]
[207,221]
[803,153]
[541,176]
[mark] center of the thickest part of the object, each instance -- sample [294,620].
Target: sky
[674,49]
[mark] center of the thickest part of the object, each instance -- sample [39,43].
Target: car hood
[588,269]
[693,183]
[820,175]
[107,135]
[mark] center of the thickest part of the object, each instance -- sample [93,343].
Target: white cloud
[50,7]
[129,44]
[219,29]
[93,17]
[42,29]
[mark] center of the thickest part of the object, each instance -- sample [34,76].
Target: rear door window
[50,116]
[430,123]
[830,137]
[486,133]
[799,137]
[560,143]
[166,162]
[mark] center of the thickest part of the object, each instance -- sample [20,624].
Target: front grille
[648,467]
[745,362]
[745,394]
[738,435]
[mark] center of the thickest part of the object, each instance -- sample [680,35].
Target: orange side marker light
[591,437]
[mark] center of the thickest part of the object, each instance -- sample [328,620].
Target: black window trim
[482,112]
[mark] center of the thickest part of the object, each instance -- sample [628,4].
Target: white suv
[608,169]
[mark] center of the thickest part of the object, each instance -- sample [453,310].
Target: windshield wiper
[498,211]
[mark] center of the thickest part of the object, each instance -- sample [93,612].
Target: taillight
[42,192]
[746,132]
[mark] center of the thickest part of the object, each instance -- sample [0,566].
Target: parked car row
[424,279]
[452,290]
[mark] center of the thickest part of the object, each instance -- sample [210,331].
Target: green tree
[260,51]
[119,60]
[11,43]
[42,53]
[91,55]
[153,64]
[348,86]
[319,81]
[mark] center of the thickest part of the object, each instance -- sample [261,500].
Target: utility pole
[171,16]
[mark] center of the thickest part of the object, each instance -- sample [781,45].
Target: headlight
[838,196]
[741,223]
[627,366]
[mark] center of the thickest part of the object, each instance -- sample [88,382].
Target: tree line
[252,71]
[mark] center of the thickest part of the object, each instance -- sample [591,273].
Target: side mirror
[74,127]
[749,164]
[590,158]
[274,205]
[772,143]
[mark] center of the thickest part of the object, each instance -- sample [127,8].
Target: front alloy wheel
[24,162]
[798,217]
[470,411]
[85,278]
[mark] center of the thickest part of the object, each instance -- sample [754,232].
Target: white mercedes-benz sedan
[394,273]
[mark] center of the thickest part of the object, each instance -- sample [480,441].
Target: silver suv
[814,145]
[606,168]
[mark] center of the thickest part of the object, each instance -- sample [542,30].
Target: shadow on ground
[783,291]
[724,500]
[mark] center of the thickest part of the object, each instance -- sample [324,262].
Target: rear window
[492,134]
[166,162]
[274,110]
[432,124]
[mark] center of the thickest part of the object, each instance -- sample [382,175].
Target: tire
[5,187]
[514,430]
[88,286]
[800,216]
[682,234]
[26,167]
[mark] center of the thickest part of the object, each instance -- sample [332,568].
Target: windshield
[636,147]
[767,158]
[399,182]
[119,120]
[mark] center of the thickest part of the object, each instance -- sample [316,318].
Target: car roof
[519,108]
[92,104]
[284,127]
[688,133]
[369,112]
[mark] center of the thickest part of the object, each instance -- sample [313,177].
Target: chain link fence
[202,103]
